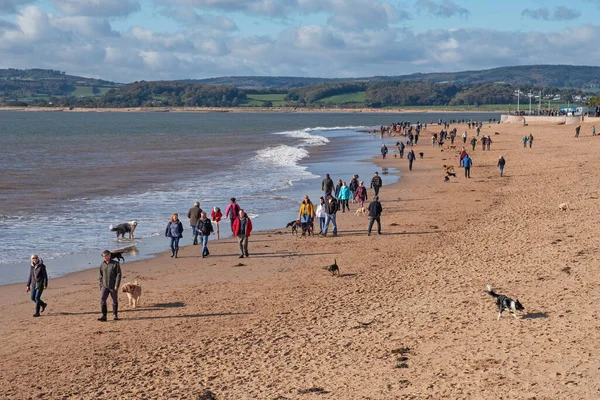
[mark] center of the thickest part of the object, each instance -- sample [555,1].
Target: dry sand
[408,318]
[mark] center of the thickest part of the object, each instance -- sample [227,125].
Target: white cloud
[444,9]
[560,14]
[191,18]
[97,8]
[11,6]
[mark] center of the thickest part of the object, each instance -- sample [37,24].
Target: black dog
[294,225]
[118,255]
[505,303]
[446,179]
[421,155]
[451,174]
[333,268]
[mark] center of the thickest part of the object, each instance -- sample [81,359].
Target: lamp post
[530,95]
[518,100]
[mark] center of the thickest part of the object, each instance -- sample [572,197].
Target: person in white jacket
[321,214]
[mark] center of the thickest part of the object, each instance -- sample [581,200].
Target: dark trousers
[114,295]
[231,222]
[373,219]
[36,295]
[410,165]
[467,172]
[376,189]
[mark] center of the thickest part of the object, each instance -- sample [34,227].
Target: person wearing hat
[194,215]
[232,212]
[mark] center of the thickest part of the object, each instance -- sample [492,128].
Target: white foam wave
[281,155]
[337,128]
[307,138]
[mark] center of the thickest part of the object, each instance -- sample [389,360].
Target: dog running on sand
[361,211]
[134,292]
[505,303]
[334,268]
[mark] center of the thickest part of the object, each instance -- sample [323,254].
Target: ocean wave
[307,138]
[338,128]
[282,155]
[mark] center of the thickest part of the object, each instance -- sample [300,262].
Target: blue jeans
[330,217]
[36,295]
[501,170]
[174,242]
[204,241]
[321,224]
[194,230]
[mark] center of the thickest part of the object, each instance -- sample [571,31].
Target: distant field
[356,97]
[259,99]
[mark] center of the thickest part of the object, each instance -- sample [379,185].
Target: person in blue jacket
[467,163]
[174,231]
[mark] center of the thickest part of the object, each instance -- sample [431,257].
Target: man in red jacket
[242,226]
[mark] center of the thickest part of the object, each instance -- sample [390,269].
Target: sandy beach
[407,318]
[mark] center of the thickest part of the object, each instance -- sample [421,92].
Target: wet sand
[407,318]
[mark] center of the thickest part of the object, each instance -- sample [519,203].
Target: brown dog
[134,292]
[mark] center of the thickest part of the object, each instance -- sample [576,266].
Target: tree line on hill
[377,94]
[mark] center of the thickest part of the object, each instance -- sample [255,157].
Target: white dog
[563,206]
[134,292]
[122,229]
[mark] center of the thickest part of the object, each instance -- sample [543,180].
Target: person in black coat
[375,210]
[37,282]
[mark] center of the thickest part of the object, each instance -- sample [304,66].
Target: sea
[65,177]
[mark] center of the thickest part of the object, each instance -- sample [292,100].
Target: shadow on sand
[535,315]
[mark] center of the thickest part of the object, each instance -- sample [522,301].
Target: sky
[132,40]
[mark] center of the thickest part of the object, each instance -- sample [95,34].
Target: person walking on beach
[306,214]
[194,215]
[174,232]
[331,208]
[463,154]
[467,163]
[327,185]
[577,131]
[401,147]
[411,158]
[530,140]
[110,280]
[204,228]
[231,211]
[501,163]
[361,195]
[242,226]
[464,136]
[488,142]
[473,142]
[593,130]
[353,186]
[375,215]
[321,214]
[384,150]
[37,282]
[377,183]
[216,216]
[344,197]
[338,187]
[524,142]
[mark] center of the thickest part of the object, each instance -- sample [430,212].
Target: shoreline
[252,109]
[277,325]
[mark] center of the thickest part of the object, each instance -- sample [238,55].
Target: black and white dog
[122,229]
[505,303]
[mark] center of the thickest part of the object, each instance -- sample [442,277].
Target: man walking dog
[110,280]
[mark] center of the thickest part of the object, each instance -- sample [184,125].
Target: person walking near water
[377,183]
[361,195]
[37,282]
[242,226]
[464,136]
[306,215]
[344,197]
[331,208]
[321,214]
[375,215]
[353,186]
[467,163]
[384,150]
[110,280]
[194,215]
[204,228]
[411,158]
[501,163]
[174,231]
[473,143]
[327,185]
[231,211]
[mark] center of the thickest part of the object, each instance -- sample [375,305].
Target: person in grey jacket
[37,282]
[110,280]
[174,231]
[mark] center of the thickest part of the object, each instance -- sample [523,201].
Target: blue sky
[128,40]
